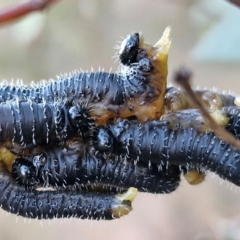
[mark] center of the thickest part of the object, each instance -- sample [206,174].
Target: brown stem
[236,2]
[14,12]
[182,77]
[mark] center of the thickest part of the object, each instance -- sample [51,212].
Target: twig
[236,2]
[14,12]
[182,77]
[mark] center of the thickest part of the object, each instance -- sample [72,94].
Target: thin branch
[236,2]
[182,77]
[14,12]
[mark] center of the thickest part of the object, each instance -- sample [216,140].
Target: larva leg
[59,204]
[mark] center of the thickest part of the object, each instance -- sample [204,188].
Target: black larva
[89,86]
[108,95]
[26,124]
[137,89]
[155,143]
[61,204]
[61,167]
[77,85]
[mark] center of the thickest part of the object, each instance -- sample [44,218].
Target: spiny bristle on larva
[13,83]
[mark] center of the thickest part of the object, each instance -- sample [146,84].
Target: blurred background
[74,34]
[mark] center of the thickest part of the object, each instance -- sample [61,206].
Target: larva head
[104,140]
[80,118]
[149,65]
[133,49]
[24,172]
[39,160]
[129,49]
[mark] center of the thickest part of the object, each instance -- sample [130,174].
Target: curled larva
[64,167]
[61,204]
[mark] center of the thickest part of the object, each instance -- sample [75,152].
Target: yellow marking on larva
[158,54]
[164,43]
[124,202]
[220,118]
[194,177]
[144,107]
[7,157]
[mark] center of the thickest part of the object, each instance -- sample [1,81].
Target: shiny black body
[53,204]
[155,143]
[60,167]
[233,125]
[87,87]
[27,124]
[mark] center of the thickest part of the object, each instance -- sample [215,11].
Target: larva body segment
[105,93]
[18,90]
[193,118]
[60,167]
[176,99]
[61,204]
[233,126]
[76,86]
[227,117]
[26,124]
[155,143]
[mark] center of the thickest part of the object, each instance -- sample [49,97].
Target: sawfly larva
[61,204]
